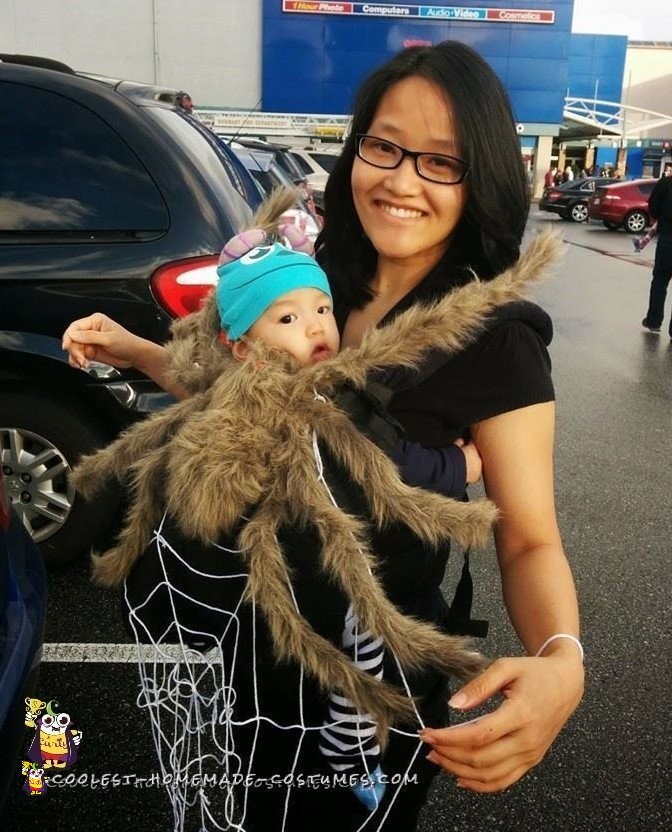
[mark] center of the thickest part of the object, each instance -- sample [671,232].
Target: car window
[64,169]
[287,163]
[301,162]
[325,160]
[647,187]
[212,157]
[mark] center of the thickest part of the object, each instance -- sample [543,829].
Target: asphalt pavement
[611,768]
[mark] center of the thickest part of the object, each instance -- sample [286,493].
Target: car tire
[611,226]
[635,222]
[579,212]
[41,439]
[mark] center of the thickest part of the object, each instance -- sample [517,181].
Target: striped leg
[349,739]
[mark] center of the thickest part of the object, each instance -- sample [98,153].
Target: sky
[643,20]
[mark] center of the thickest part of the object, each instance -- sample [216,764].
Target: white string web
[206,733]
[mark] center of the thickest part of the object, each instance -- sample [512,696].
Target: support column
[542,162]
[562,156]
[621,160]
[589,160]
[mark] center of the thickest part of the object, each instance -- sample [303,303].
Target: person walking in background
[660,209]
[549,177]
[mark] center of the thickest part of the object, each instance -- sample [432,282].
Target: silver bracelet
[555,637]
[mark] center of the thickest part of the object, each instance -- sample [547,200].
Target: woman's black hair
[487,237]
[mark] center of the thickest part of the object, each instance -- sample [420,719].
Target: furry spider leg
[295,639]
[115,460]
[448,325]
[222,460]
[432,517]
[145,510]
[346,558]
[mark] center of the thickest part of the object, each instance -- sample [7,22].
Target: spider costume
[256,557]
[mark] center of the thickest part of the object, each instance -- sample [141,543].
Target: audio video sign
[464,13]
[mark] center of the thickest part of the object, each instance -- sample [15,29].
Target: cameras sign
[468,14]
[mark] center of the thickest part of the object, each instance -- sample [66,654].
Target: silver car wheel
[635,222]
[36,475]
[579,212]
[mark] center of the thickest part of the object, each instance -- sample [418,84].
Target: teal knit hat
[249,285]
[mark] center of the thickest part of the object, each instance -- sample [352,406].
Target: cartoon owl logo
[55,743]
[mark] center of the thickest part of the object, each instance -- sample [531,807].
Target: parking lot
[612,767]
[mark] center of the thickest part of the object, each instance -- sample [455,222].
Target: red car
[622,205]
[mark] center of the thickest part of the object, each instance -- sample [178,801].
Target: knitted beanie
[250,284]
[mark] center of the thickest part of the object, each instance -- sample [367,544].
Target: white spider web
[206,736]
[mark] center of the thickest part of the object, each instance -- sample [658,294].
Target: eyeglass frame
[412,154]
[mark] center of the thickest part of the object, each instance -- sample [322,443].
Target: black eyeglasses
[435,167]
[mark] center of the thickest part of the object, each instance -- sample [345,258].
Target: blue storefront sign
[315,53]
[435,12]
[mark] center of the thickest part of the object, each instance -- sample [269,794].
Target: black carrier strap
[368,410]
[459,620]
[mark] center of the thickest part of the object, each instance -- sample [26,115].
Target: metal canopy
[613,118]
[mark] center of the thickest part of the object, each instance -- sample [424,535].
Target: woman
[399,238]
[429,187]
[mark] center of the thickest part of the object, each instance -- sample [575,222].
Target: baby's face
[301,323]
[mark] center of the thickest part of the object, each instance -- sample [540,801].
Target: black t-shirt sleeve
[507,368]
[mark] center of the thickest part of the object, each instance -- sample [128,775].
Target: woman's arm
[99,338]
[539,693]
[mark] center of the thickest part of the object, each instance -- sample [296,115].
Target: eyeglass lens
[436,167]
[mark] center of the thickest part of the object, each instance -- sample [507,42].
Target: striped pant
[348,740]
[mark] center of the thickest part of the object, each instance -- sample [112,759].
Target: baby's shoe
[371,793]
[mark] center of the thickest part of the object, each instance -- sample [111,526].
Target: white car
[316,161]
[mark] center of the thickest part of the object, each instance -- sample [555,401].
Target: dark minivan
[112,198]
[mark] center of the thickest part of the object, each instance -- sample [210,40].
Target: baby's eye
[325,309]
[288,319]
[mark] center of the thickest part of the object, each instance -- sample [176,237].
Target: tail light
[554,195]
[182,287]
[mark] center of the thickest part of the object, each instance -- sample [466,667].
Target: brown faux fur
[244,438]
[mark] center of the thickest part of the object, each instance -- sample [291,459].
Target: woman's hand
[99,338]
[493,751]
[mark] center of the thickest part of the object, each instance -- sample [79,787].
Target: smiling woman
[407,217]
[397,240]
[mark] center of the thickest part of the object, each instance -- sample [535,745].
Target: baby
[282,297]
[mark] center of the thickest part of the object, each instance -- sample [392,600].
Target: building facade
[309,56]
